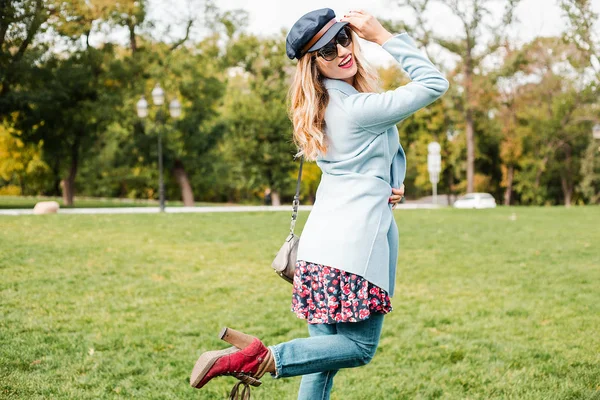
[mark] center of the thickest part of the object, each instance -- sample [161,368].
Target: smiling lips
[347,62]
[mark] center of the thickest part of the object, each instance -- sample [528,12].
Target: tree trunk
[187,195]
[231,196]
[132,40]
[567,190]
[69,183]
[469,127]
[276,200]
[56,181]
[56,187]
[67,192]
[449,180]
[22,184]
[566,181]
[509,178]
[68,186]
[123,189]
[470,153]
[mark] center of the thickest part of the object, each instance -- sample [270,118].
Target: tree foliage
[519,128]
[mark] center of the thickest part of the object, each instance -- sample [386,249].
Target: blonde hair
[308,99]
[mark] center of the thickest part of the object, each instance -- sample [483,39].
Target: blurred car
[475,200]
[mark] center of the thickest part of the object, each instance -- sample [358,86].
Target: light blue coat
[351,226]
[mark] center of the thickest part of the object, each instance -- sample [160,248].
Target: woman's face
[343,66]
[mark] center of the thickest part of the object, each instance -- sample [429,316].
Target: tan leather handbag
[284,263]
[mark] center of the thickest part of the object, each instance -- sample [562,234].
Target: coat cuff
[393,37]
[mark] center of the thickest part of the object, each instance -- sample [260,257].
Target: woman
[349,247]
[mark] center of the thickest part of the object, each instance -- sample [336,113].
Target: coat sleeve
[376,112]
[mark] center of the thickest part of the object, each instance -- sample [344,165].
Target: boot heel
[235,338]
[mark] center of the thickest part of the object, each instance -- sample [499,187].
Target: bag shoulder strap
[296,201]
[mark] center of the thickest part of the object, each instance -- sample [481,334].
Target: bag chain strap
[296,201]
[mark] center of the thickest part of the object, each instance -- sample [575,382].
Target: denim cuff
[276,359]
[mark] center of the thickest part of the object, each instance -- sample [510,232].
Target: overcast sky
[267,17]
[540,17]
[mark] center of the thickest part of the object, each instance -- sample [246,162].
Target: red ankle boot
[243,363]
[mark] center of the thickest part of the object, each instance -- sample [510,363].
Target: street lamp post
[158,99]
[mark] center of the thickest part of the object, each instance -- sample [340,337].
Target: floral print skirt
[327,295]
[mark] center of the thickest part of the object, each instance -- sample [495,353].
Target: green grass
[25,202]
[487,307]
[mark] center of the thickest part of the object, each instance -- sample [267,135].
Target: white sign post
[596,131]
[434,166]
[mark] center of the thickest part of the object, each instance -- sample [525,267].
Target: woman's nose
[342,51]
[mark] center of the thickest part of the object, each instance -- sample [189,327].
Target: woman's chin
[346,74]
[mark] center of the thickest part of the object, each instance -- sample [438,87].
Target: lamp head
[158,95]
[142,107]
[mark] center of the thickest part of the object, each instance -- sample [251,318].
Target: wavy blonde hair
[308,99]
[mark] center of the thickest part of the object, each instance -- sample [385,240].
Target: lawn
[490,304]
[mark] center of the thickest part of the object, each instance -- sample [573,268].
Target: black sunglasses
[330,51]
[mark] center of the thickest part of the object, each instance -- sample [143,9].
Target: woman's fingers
[355,29]
[366,26]
[398,191]
[357,24]
[355,19]
[397,195]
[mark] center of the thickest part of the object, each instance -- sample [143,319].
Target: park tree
[196,76]
[64,99]
[589,186]
[544,114]
[22,48]
[71,105]
[258,131]
[20,22]
[78,19]
[68,117]
[442,122]
[547,93]
[509,89]
[194,71]
[21,166]
[583,31]
[416,132]
[472,48]
[511,147]
[90,88]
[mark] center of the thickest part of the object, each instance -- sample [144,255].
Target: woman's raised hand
[366,26]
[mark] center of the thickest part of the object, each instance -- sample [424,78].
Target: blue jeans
[329,348]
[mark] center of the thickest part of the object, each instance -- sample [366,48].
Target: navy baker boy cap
[311,32]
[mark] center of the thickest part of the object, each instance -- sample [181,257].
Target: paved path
[177,210]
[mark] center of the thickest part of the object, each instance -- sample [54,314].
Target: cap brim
[326,38]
